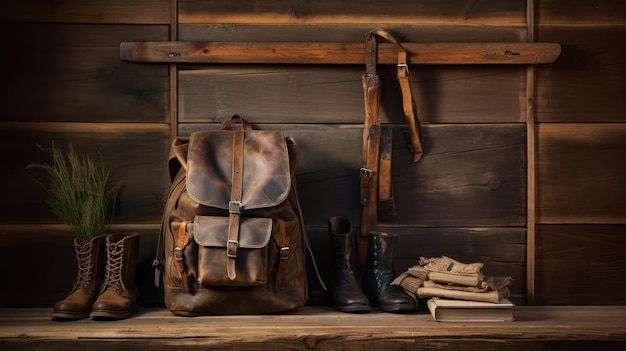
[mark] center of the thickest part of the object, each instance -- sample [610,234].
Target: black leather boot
[379,273]
[347,295]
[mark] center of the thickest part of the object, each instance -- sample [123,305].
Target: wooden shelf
[320,328]
[337,53]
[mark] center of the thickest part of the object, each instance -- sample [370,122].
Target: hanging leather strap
[371,139]
[235,206]
[375,179]
[182,239]
[408,106]
[386,201]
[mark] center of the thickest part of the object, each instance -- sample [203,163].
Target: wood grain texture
[334,94]
[72,72]
[586,83]
[60,62]
[470,175]
[581,12]
[298,11]
[87,11]
[581,264]
[135,153]
[410,31]
[537,328]
[580,169]
[337,53]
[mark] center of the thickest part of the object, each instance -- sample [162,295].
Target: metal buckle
[284,253]
[178,254]
[367,171]
[231,248]
[234,207]
[405,66]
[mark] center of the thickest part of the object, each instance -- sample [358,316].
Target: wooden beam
[320,328]
[531,159]
[337,53]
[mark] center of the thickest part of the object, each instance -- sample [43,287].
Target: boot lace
[85,265]
[113,275]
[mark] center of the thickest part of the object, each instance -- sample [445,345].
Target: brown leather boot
[380,272]
[119,296]
[347,294]
[91,259]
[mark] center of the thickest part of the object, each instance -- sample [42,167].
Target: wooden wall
[523,167]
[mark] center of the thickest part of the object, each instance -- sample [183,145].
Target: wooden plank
[135,153]
[580,171]
[411,31]
[581,264]
[531,188]
[74,73]
[581,12]
[334,94]
[470,175]
[93,11]
[47,264]
[586,83]
[538,328]
[337,53]
[352,11]
[173,70]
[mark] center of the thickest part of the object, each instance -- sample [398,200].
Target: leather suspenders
[376,193]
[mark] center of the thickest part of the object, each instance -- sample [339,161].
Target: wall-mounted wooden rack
[337,53]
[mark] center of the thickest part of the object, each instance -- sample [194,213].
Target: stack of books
[450,310]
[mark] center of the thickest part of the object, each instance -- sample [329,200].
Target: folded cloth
[493,296]
[447,278]
[432,284]
[411,280]
[473,279]
[447,264]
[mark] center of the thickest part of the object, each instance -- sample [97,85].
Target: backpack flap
[266,180]
[211,235]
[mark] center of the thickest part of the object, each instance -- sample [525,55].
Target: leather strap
[386,201]
[235,206]
[283,244]
[376,190]
[369,180]
[245,125]
[408,106]
[371,140]
[181,242]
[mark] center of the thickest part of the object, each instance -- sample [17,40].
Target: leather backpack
[232,238]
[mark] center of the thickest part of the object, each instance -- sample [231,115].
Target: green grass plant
[78,192]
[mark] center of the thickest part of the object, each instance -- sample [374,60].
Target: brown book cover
[448,310]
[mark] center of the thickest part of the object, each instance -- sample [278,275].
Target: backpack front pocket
[211,235]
